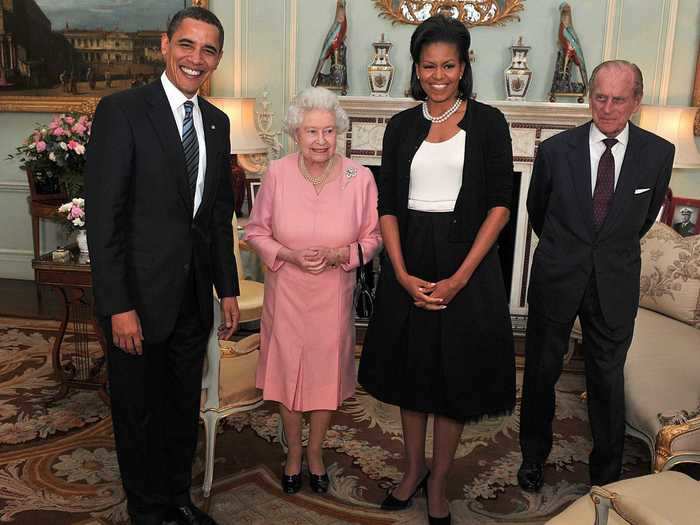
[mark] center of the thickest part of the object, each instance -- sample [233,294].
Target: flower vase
[81,239]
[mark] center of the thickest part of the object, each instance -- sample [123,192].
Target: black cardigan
[487,178]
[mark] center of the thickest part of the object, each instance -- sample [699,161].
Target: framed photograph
[62,55]
[683,216]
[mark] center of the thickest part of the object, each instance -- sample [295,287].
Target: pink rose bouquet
[74,212]
[55,153]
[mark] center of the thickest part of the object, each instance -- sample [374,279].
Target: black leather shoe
[189,515]
[319,483]
[531,476]
[291,484]
[392,503]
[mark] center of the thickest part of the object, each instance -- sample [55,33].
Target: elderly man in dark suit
[595,191]
[160,207]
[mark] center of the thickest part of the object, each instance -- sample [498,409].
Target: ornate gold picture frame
[66,69]
[470,12]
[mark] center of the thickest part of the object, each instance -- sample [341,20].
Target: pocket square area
[641,190]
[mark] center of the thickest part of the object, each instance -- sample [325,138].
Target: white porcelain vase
[81,239]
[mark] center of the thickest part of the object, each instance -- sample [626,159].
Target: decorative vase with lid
[518,75]
[380,71]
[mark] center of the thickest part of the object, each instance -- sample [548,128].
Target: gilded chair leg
[211,420]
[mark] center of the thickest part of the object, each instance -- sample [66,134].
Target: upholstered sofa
[666,498]
[662,372]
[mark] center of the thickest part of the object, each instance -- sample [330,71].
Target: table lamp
[248,150]
[675,124]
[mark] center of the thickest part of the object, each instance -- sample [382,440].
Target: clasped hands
[316,259]
[430,296]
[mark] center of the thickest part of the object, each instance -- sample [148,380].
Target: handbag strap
[361,268]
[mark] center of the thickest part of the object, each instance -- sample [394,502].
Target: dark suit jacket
[142,237]
[560,206]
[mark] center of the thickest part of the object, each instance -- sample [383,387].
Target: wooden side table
[73,280]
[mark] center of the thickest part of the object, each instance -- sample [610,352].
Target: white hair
[314,98]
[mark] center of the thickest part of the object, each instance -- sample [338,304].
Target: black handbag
[364,295]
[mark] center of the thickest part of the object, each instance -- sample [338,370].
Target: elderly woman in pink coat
[312,212]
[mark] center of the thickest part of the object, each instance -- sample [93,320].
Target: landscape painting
[63,55]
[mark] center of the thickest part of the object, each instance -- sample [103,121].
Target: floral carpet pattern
[58,464]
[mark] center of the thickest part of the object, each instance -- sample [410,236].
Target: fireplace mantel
[530,123]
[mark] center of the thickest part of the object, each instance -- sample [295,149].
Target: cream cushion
[670,276]
[662,374]
[667,497]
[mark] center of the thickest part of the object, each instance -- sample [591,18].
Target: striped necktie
[190,145]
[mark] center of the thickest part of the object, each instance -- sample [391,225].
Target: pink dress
[307,331]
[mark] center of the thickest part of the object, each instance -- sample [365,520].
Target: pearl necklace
[321,178]
[447,114]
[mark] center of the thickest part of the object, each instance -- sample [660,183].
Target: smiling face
[316,137]
[191,55]
[439,71]
[613,100]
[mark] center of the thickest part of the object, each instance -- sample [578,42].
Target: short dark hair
[196,13]
[441,28]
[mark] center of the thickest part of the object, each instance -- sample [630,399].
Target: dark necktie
[604,184]
[191,146]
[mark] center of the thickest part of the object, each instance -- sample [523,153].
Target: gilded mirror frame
[470,12]
[67,103]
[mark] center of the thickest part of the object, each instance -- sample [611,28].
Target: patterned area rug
[58,465]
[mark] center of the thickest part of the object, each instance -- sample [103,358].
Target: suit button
[186,268]
[454,221]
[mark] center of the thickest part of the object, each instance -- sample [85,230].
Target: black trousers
[155,411]
[605,351]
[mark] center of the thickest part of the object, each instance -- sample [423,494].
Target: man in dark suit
[160,207]
[595,191]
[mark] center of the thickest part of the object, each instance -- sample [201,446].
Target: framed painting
[684,216]
[64,55]
[696,94]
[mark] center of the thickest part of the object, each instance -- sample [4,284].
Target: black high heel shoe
[319,483]
[291,484]
[432,520]
[447,520]
[392,503]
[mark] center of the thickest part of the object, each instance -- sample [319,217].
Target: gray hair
[638,89]
[314,98]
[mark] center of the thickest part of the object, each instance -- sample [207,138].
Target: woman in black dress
[440,340]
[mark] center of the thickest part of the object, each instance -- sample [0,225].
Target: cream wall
[273,45]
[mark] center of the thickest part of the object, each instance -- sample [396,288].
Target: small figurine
[334,49]
[570,53]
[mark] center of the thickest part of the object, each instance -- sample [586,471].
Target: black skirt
[457,362]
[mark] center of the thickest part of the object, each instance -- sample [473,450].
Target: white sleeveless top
[436,174]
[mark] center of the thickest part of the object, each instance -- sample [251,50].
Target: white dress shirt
[597,148]
[177,100]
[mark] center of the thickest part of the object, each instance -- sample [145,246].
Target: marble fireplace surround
[530,123]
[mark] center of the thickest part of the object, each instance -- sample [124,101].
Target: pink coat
[307,330]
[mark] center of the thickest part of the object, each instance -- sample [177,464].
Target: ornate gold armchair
[667,498]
